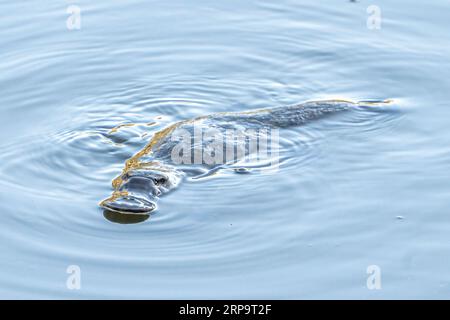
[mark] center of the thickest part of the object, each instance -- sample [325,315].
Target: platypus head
[136,191]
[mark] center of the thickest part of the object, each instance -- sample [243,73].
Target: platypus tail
[375,102]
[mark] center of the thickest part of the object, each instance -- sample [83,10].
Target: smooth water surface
[364,188]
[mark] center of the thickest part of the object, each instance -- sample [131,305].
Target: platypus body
[157,168]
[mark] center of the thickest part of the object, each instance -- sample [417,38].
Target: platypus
[159,167]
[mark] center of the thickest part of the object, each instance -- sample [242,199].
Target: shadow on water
[124,218]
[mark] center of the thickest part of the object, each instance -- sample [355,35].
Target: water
[359,189]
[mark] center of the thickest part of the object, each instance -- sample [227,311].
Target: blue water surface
[367,188]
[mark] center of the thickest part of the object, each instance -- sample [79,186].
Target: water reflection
[121,218]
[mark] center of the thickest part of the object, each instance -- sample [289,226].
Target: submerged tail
[376,102]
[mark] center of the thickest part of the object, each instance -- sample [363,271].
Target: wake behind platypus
[209,143]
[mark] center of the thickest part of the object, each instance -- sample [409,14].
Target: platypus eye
[160,180]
